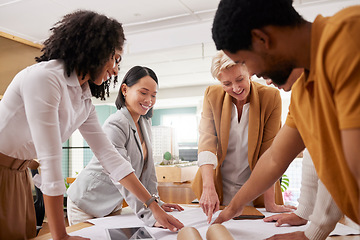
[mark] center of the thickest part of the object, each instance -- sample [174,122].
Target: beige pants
[76,215]
[17,211]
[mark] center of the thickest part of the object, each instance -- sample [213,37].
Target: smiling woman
[129,130]
[44,104]
[227,151]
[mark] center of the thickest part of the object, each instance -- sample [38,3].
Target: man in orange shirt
[272,39]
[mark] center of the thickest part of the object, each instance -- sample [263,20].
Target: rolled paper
[189,233]
[218,231]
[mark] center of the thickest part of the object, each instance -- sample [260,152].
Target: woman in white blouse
[44,104]
[239,121]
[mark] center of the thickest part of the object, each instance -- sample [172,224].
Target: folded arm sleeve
[208,140]
[41,98]
[110,159]
[308,190]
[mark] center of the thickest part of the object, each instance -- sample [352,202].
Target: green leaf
[167,156]
[285,181]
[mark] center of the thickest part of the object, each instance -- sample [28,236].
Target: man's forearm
[269,197]
[265,174]
[271,165]
[350,141]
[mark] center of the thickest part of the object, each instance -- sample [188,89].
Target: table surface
[83,225]
[79,226]
[69,229]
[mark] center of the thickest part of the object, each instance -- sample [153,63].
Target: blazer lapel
[254,121]
[225,123]
[146,136]
[134,129]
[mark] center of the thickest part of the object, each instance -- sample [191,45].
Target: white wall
[181,56]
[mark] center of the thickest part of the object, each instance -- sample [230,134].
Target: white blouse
[235,169]
[40,110]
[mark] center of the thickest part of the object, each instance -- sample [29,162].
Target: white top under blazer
[235,168]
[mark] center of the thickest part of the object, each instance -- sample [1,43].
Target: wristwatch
[153,198]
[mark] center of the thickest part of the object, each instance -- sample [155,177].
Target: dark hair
[131,78]
[84,40]
[234,20]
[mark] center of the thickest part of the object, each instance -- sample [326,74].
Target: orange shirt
[327,101]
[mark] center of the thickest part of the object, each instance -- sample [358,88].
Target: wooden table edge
[69,229]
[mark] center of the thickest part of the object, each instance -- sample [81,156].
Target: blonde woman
[239,121]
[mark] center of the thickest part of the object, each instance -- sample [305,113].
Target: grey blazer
[95,192]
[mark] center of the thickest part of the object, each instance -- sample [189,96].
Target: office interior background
[172,37]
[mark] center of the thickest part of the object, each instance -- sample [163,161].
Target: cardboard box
[174,173]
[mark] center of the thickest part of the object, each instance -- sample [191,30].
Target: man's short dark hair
[235,19]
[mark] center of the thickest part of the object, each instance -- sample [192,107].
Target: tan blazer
[214,128]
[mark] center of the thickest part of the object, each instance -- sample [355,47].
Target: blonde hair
[220,62]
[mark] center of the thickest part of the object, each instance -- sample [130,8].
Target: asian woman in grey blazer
[93,193]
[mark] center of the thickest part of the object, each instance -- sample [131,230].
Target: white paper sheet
[194,217]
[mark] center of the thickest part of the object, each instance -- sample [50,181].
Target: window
[185,126]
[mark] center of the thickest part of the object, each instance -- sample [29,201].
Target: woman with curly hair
[44,104]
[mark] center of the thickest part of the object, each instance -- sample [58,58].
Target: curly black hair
[131,78]
[85,41]
[234,20]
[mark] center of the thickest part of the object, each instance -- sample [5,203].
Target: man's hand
[227,214]
[169,207]
[289,236]
[286,218]
[209,202]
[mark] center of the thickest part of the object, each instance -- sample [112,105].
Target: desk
[176,173]
[191,216]
[180,193]
[69,229]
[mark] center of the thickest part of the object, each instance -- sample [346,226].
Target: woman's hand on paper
[286,218]
[158,225]
[271,206]
[169,207]
[67,237]
[165,220]
[287,236]
[209,202]
[275,208]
